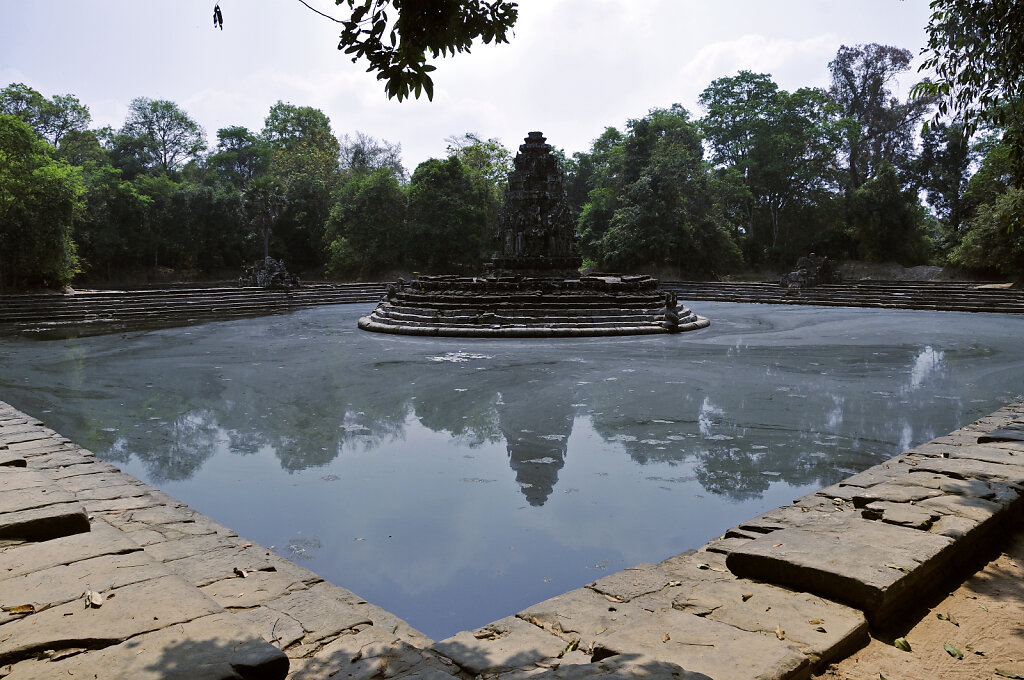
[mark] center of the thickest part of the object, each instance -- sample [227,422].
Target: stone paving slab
[876,577]
[101,540]
[212,647]
[29,499]
[137,608]
[603,627]
[39,524]
[503,645]
[64,583]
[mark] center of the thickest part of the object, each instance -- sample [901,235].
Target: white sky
[573,68]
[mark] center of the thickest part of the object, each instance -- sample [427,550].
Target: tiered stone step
[102,311]
[942,296]
[597,306]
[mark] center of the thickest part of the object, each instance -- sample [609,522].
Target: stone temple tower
[536,229]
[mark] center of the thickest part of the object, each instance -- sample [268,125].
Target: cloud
[802,62]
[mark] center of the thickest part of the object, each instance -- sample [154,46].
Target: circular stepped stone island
[535,307]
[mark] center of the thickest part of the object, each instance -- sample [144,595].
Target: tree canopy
[976,50]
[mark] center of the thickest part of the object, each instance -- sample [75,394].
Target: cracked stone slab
[24,478]
[202,569]
[99,480]
[1010,432]
[194,545]
[705,646]
[126,612]
[970,468]
[976,509]
[992,453]
[633,582]
[102,540]
[820,627]
[903,514]
[276,628]
[364,655]
[35,497]
[847,565]
[45,523]
[256,588]
[666,636]
[64,583]
[213,647]
[618,667]
[323,610]
[12,460]
[505,644]
[893,493]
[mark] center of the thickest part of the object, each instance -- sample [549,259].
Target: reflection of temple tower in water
[536,432]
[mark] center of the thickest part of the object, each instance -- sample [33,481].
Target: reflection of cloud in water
[929,363]
[704,418]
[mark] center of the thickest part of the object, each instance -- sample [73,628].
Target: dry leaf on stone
[1009,674]
[953,651]
[612,598]
[746,596]
[901,644]
[816,622]
[93,599]
[21,609]
[896,566]
[779,633]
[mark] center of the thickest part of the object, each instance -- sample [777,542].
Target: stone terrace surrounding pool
[106,575]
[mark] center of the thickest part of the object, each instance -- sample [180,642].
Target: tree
[365,232]
[39,200]
[51,118]
[305,163]
[881,129]
[364,154]
[240,157]
[887,220]
[159,135]
[976,50]
[991,242]
[262,202]
[945,167]
[652,201]
[782,146]
[448,215]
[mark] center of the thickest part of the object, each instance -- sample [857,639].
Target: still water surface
[454,481]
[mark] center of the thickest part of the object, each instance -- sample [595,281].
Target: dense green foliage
[40,197]
[763,177]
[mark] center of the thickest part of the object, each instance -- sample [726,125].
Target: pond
[454,482]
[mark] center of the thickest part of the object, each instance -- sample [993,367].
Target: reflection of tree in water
[792,424]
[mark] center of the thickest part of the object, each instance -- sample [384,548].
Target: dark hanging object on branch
[218,18]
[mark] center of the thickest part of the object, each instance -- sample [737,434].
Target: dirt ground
[983,619]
